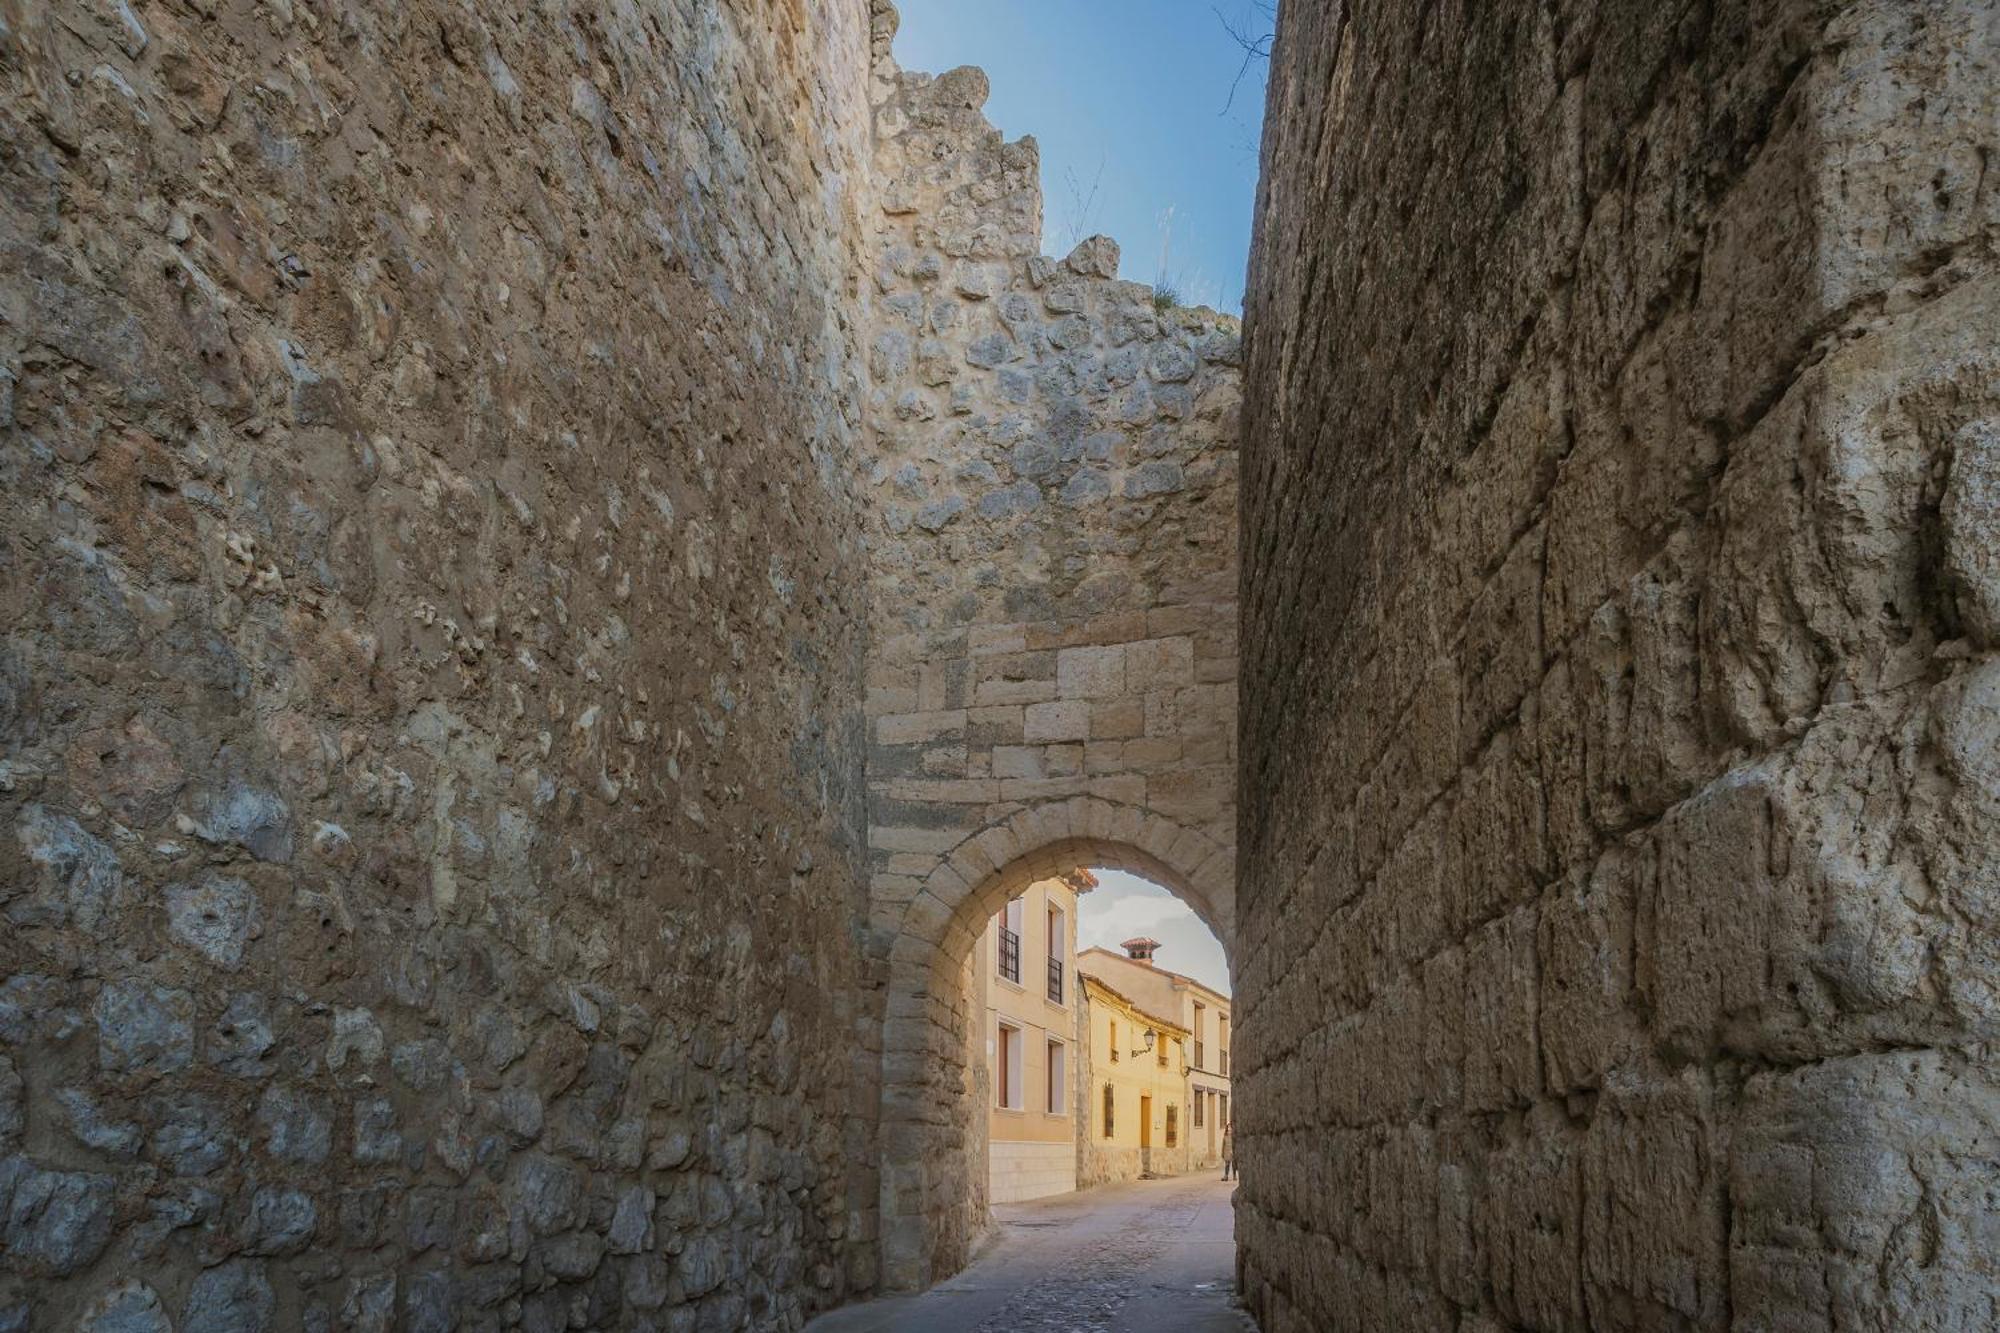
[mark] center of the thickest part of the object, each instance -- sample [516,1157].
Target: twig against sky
[1082,203]
[1254,48]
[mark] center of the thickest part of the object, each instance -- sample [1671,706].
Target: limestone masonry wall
[431,626]
[1052,564]
[1617,919]
[556,560]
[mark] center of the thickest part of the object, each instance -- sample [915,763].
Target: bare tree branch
[1255,48]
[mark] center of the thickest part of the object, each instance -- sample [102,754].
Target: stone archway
[1052,574]
[933,1202]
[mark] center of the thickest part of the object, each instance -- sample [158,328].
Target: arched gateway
[933,1185]
[1052,677]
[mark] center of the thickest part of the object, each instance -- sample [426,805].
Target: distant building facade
[1201,1015]
[1026,966]
[1135,1087]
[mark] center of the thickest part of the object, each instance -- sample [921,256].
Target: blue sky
[1126,99]
[1123,905]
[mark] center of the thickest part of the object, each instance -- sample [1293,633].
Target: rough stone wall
[430,747]
[1053,570]
[1616,925]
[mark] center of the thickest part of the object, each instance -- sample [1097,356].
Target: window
[1007,1068]
[1222,1043]
[1056,946]
[1173,1123]
[1159,1049]
[1110,1105]
[1199,1012]
[1200,1099]
[1009,961]
[1114,1043]
[1222,1108]
[1058,1102]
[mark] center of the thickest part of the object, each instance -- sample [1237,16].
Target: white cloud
[1124,905]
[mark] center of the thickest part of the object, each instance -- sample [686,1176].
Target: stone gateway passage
[558,561]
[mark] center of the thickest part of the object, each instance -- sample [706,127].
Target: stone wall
[430,684]
[1052,567]
[1616,926]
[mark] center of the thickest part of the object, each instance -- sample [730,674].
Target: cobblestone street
[1156,1255]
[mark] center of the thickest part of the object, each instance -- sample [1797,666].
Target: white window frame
[1007,1062]
[1056,1076]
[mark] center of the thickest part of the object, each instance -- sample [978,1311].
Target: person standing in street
[1229,1150]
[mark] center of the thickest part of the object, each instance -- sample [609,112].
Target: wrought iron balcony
[1055,981]
[1010,955]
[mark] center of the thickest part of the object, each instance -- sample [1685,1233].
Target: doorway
[1145,1134]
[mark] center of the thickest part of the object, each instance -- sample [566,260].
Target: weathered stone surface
[280,1221]
[241,1040]
[434,596]
[1055,486]
[233,1297]
[1618,619]
[93,1128]
[130,1307]
[143,1029]
[530,648]
[216,917]
[13,1105]
[77,877]
[57,1222]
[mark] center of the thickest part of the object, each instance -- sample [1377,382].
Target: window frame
[1009,1044]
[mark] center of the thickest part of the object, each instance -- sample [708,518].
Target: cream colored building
[1135,1093]
[1026,965]
[1201,1013]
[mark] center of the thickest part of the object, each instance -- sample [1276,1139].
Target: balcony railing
[1055,981]
[1010,955]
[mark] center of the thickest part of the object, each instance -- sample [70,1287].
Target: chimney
[1140,950]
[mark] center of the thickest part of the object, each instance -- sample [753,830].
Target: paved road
[1155,1255]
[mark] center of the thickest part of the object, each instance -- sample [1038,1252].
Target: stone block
[921,728]
[1123,788]
[1585,946]
[1654,1203]
[1117,719]
[1502,1061]
[1152,664]
[1017,761]
[1068,720]
[1711,912]
[1090,673]
[1002,724]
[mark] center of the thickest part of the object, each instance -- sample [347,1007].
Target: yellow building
[1201,1012]
[1135,1092]
[1027,989]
